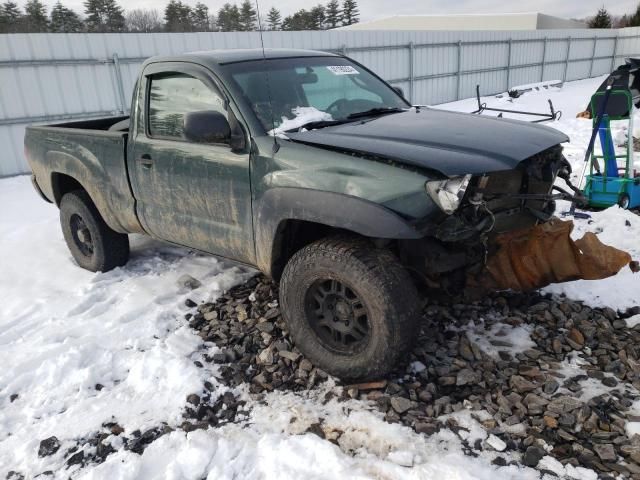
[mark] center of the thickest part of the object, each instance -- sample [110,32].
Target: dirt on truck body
[309,167]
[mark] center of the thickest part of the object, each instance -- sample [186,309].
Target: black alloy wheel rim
[81,235]
[338,316]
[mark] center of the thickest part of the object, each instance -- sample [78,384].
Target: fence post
[566,63]
[411,72]
[615,53]
[509,67]
[116,65]
[459,69]
[544,57]
[593,55]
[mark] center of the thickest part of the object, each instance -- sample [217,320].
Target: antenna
[276,146]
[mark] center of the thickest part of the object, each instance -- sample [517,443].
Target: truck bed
[94,154]
[117,124]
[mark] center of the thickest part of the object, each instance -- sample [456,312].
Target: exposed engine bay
[499,232]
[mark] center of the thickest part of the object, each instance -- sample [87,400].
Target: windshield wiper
[376,111]
[315,124]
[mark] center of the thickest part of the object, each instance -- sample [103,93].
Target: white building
[497,21]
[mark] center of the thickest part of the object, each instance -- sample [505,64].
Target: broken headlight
[448,193]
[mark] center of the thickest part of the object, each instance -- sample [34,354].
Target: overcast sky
[372,9]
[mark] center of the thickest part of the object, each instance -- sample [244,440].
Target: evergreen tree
[104,16]
[300,20]
[317,17]
[35,18]
[229,18]
[64,20]
[601,20]
[634,19]
[274,19]
[350,12]
[333,15]
[248,16]
[200,18]
[178,17]
[10,17]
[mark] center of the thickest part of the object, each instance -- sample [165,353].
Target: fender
[327,208]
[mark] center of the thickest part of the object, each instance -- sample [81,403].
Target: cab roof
[222,57]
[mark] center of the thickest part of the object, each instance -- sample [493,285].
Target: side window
[171,95]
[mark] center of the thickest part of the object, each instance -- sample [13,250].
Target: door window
[171,95]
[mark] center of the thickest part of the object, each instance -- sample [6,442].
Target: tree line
[109,16]
[603,19]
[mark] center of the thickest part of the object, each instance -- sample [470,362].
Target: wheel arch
[288,218]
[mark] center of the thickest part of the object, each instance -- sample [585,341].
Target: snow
[301,116]
[500,337]
[633,321]
[64,330]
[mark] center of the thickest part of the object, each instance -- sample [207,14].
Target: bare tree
[143,20]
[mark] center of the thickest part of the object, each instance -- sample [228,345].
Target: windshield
[310,89]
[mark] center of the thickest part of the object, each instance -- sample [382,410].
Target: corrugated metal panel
[44,76]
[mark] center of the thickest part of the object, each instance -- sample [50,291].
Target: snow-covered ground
[81,349]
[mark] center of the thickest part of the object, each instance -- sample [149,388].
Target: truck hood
[448,142]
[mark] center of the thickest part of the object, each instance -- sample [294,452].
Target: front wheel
[351,308]
[624,201]
[92,243]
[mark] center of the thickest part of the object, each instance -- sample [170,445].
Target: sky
[373,9]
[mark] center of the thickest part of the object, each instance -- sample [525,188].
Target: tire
[376,296]
[93,244]
[623,201]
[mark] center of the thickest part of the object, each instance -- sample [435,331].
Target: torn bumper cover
[534,257]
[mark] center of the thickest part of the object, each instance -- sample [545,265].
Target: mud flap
[534,257]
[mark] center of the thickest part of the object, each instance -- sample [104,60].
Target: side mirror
[399,91]
[206,126]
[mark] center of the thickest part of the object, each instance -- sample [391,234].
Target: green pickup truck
[309,167]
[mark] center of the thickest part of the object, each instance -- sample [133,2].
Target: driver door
[189,193]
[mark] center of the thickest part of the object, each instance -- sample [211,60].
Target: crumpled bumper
[534,257]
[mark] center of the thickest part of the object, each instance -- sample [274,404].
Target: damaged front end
[498,231]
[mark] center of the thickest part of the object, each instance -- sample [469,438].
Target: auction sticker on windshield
[343,70]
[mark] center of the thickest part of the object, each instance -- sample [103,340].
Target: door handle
[146,161]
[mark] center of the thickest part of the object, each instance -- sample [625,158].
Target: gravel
[536,406]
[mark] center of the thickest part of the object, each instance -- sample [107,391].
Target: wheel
[623,201]
[93,244]
[352,309]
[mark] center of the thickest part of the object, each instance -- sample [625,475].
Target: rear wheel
[92,243]
[624,201]
[351,308]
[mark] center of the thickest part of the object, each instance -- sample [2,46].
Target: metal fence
[54,77]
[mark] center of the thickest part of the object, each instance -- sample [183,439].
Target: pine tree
[317,17]
[64,20]
[35,18]
[350,12]
[10,17]
[634,19]
[300,20]
[601,20]
[333,15]
[104,16]
[248,16]
[274,19]
[178,17]
[229,18]
[200,18]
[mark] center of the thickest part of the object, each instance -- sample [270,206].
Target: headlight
[448,193]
